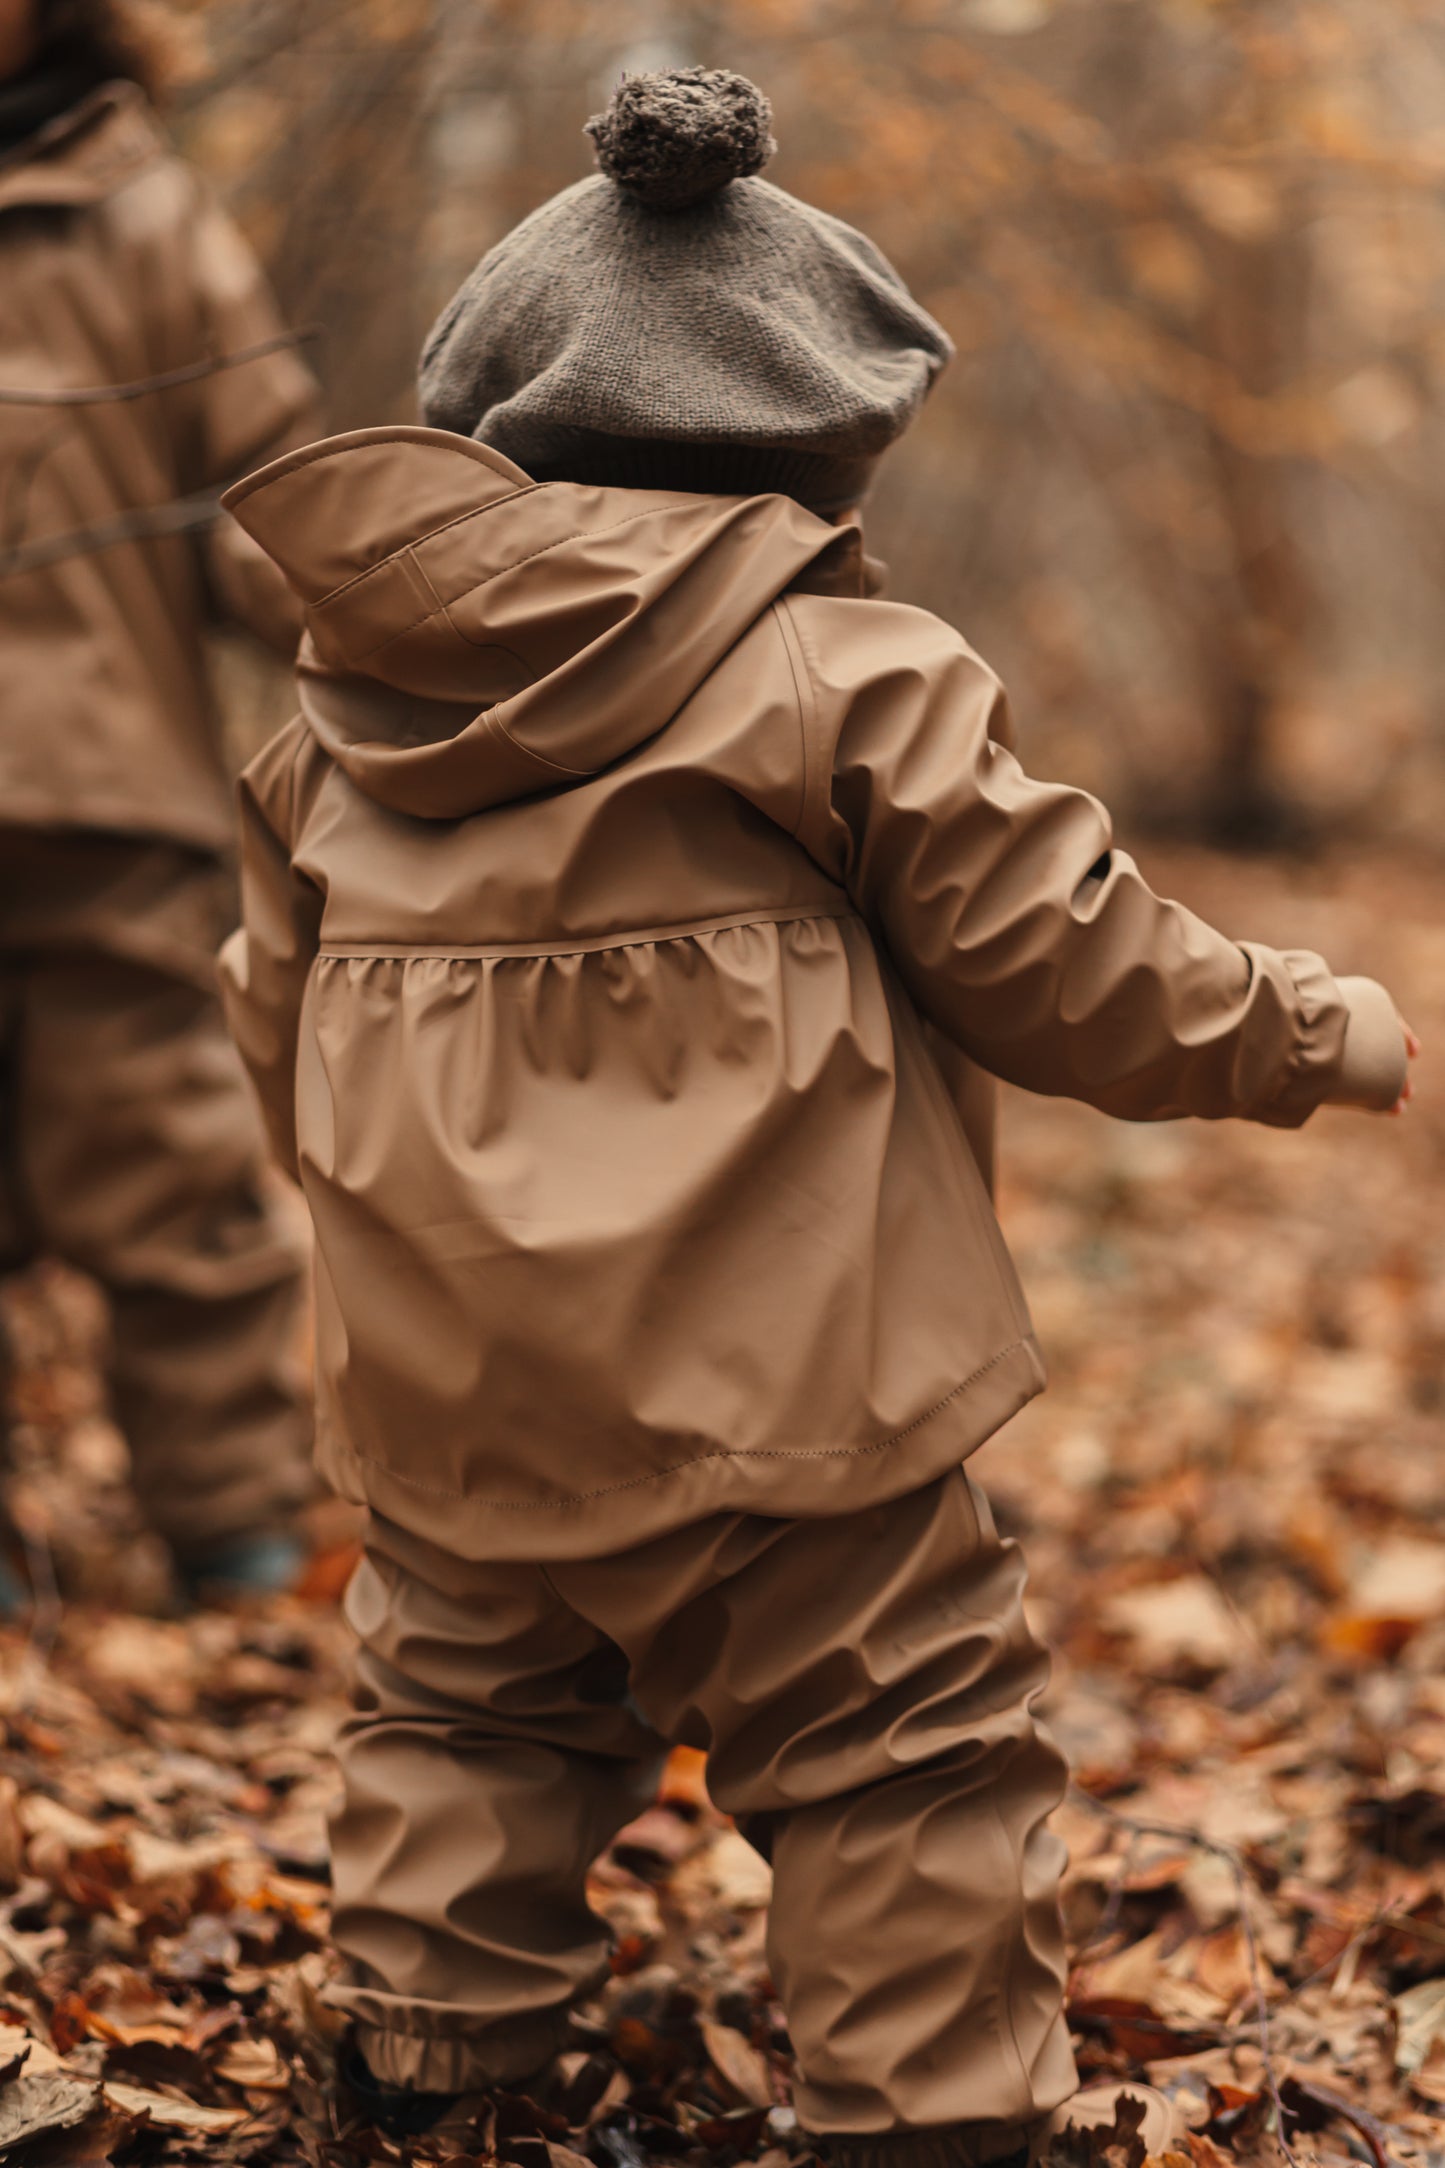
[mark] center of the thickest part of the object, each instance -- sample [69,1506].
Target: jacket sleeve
[238,417]
[265,964]
[1019,929]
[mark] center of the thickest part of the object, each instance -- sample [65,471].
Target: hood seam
[406,551]
[513,564]
[492,718]
[559,542]
[437,607]
[414,543]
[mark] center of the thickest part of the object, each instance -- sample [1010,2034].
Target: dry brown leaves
[1234,1502]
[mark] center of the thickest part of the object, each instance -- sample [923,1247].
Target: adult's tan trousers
[864,1687]
[129,1146]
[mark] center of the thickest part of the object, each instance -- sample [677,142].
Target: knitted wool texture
[677,327]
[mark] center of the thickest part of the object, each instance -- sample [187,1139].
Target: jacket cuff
[1319,1016]
[1375,1065]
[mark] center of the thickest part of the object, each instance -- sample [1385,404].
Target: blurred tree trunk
[1244,611]
[356,176]
[321,114]
[1256,328]
[1248,646]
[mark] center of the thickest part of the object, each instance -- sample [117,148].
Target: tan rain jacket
[595,905]
[116,267]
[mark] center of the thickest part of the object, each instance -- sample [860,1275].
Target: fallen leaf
[1222,1966]
[254,2063]
[738,2063]
[50,2100]
[40,2055]
[725,1872]
[1131,1973]
[1420,2018]
[12,1835]
[1403,1578]
[171,2114]
[1185,1621]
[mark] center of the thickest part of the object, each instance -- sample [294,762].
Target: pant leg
[865,1687]
[491,1758]
[140,1159]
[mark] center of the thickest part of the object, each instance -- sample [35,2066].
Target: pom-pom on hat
[672,139]
[676,322]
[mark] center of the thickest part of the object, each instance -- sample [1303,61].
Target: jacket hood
[473,636]
[86,153]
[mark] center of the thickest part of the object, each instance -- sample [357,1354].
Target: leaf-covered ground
[1234,1502]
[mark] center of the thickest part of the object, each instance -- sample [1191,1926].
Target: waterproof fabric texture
[129,1146]
[864,1687]
[594,909]
[117,266]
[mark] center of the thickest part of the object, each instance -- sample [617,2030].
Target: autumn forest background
[1181,482]
[1183,486]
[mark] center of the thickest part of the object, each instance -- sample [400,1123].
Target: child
[596,905]
[141,367]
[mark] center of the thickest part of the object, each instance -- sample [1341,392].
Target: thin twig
[167,380]
[1227,1853]
[1370,2128]
[1108,1918]
[147,523]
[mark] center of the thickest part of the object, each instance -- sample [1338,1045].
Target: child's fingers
[1412,1044]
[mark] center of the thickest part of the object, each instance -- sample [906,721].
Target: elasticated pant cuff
[458,2063]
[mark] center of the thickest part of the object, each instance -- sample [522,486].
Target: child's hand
[1379,1048]
[1412,1050]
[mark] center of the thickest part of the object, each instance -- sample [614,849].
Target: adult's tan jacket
[116,266]
[595,906]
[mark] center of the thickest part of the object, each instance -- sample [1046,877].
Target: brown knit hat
[676,323]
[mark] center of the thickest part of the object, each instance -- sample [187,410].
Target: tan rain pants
[130,1148]
[863,1686]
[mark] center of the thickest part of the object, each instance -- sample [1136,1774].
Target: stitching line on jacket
[405,549]
[781,615]
[404,562]
[608,1490]
[405,556]
[369,572]
[813,820]
[543,549]
[492,717]
[591,945]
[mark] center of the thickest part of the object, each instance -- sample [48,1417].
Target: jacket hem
[808,1483]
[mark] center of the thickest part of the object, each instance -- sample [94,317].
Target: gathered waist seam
[580,945]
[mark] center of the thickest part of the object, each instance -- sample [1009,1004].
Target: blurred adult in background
[142,367]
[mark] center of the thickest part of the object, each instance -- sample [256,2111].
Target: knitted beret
[675,322]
